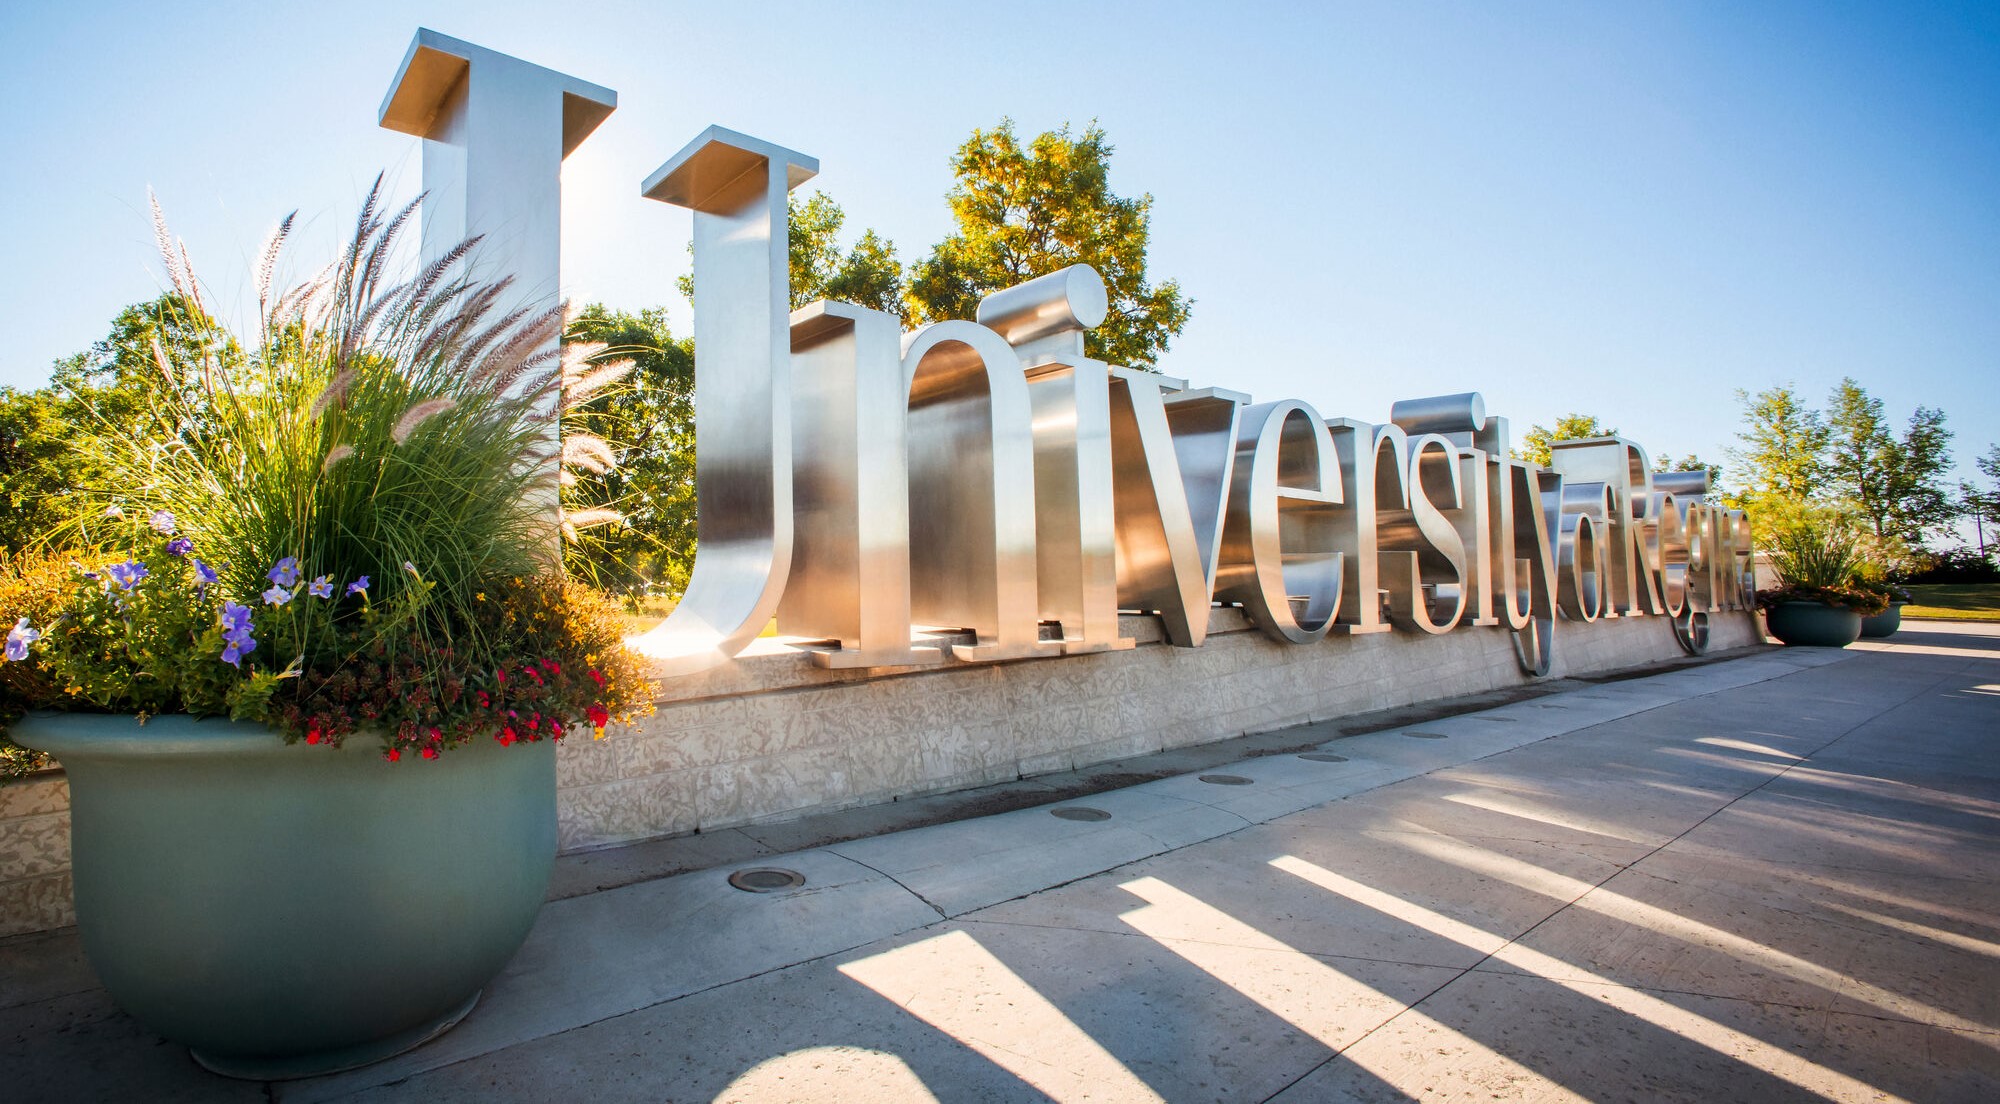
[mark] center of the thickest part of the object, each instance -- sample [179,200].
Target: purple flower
[237,649]
[203,573]
[236,633]
[112,511]
[179,546]
[285,573]
[321,587]
[358,586]
[411,568]
[127,574]
[18,639]
[276,596]
[162,522]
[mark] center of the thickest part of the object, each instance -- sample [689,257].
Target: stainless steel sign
[943,495]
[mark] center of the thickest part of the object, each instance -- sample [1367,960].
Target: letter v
[1173,456]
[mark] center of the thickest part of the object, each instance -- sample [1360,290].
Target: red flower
[599,717]
[392,755]
[507,736]
[534,722]
[312,736]
[501,674]
[430,753]
[598,676]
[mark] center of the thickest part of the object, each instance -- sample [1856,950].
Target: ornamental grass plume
[399,430]
[1818,558]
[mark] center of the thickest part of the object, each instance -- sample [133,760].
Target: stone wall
[34,854]
[771,737]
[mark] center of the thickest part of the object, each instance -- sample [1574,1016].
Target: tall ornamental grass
[356,526]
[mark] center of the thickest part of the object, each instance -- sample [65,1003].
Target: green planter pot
[1812,624]
[288,911]
[1884,623]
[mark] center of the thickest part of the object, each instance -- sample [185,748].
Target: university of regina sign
[894,494]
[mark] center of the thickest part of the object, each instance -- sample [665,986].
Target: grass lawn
[1955,602]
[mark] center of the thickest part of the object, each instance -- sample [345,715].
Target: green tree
[1782,459]
[1896,485]
[1982,504]
[1570,427]
[1026,210]
[647,417]
[46,459]
[867,274]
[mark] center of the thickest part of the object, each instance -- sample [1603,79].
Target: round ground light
[1080,812]
[1426,735]
[1224,779]
[1323,757]
[766,879]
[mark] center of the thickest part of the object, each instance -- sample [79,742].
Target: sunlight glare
[960,988]
[1304,991]
[1727,1041]
[1617,906]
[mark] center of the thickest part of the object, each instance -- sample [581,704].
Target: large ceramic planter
[1813,624]
[1884,623]
[293,910]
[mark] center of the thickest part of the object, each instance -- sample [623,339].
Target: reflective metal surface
[495,131]
[870,489]
[736,187]
[1278,557]
[971,456]
[850,576]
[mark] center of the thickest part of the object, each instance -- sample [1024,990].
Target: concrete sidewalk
[1774,877]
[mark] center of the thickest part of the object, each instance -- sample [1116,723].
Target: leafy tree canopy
[1023,211]
[648,419]
[45,434]
[1534,447]
[1896,484]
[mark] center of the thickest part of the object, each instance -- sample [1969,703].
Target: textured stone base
[772,737]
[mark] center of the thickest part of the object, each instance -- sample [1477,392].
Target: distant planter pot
[1813,624]
[1884,623]
[287,910]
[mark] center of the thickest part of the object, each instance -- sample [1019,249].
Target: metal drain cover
[1323,757]
[1426,735]
[1224,779]
[1080,812]
[766,879]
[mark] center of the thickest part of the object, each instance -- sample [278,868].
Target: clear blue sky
[1629,210]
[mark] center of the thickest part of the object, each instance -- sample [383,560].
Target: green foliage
[1819,558]
[1780,462]
[648,419]
[1026,210]
[33,585]
[1534,447]
[1983,503]
[50,437]
[1896,485]
[868,274]
[395,436]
